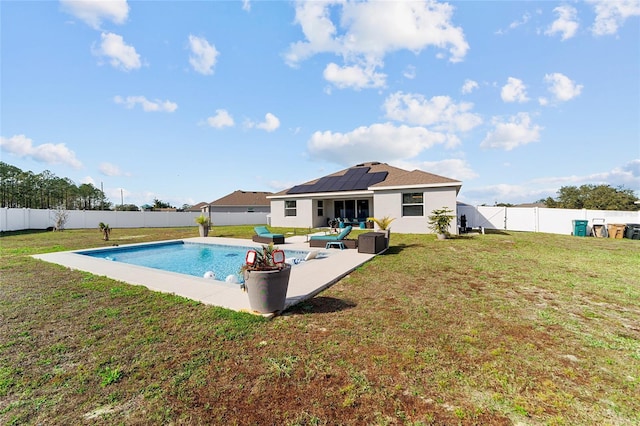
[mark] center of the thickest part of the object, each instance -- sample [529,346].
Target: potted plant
[440,220]
[266,279]
[384,226]
[104,228]
[203,225]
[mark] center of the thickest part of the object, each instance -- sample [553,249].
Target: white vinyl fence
[538,219]
[531,219]
[19,219]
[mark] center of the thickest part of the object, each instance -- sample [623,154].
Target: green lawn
[503,328]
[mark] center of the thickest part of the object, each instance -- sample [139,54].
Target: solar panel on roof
[378,177]
[344,185]
[323,185]
[354,179]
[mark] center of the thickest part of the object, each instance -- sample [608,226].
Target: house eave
[338,194]
[457,185]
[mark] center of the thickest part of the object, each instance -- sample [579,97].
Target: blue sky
[189,101]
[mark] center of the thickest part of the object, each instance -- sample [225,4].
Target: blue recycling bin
[580,228]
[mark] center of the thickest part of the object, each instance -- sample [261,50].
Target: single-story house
[367,190]
[242,202]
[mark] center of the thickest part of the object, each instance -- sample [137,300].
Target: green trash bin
[580,228]
[632,231]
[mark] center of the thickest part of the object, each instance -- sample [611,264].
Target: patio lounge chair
[322,240]
[265,237]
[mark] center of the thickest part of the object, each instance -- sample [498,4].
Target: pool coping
[307,279]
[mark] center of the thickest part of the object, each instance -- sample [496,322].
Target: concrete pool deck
[307,279]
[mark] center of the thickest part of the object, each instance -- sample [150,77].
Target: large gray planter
[267,289]
[203,230]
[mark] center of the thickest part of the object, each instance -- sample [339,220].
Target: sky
[188,101]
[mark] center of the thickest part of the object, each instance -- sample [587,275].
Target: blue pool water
[186,258]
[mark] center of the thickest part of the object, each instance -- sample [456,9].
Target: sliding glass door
[351,209]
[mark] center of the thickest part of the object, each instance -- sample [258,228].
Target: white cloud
[566,24]
[147,105]
[88,180]
[515,24]
[119,54]
[109,169]
[386,140]
[504,193]
[439,112]
[94,12]
[21,146]
[519,130]
[203,55]
[366,31]
[561,86]
[221,119]
[627,175]
[279,185]
[409,72]
[514,91]
[454,168]
[270,123]
[611,14]
[469,86]
[355,76]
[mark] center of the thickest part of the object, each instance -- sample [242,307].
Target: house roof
[373,175]
[197,207]
[243,198]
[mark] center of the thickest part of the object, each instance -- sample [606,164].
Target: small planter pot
[267,289]
[442,236]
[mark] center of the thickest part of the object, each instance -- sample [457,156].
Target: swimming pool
[220,262]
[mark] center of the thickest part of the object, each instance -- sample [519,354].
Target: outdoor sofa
[265,237]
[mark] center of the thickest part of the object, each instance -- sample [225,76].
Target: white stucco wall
[389,203]
[305,213]
[384,203]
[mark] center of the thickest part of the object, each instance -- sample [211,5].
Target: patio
[307,278]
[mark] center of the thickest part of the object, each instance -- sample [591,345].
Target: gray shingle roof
[244,198]
[395,177]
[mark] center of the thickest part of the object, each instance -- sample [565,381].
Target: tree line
[594,197]
[590,197]
[25,189]
[20,189]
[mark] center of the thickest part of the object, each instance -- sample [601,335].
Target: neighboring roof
[197,207]
[373,175]
[244,198]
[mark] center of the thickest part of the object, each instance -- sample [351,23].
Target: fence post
[505,218]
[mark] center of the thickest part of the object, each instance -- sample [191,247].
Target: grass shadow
[397,249]
[25,232]
[320,305]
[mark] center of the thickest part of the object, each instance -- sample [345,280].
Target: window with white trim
[320,208]
[413,204]
[290,208]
